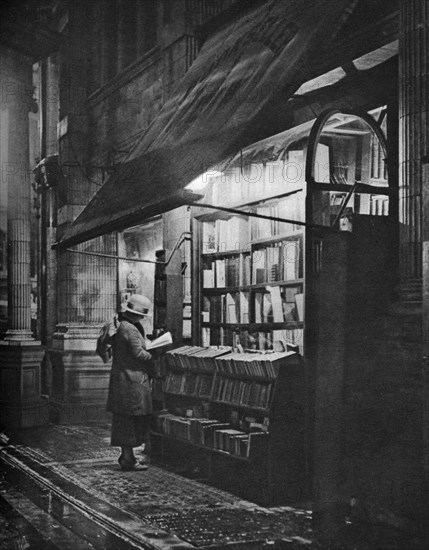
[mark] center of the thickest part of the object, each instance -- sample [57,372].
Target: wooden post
[332,321]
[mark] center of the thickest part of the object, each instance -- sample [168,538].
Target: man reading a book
[130,397]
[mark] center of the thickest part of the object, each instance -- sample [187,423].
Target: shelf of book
[241,405]
[233,417]
[207,449]
[255,326]
[250,278]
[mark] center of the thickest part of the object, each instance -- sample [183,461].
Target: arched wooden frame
[312,185]
[318,128]
[314,140]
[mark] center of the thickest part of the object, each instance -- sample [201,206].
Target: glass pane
[348,152]
[138,277]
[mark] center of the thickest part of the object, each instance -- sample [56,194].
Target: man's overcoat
[129,387]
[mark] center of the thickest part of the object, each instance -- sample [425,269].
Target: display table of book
[240,417]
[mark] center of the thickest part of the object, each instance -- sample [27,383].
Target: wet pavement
[75,467]
[61,488]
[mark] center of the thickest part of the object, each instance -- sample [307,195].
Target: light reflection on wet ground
[157,505]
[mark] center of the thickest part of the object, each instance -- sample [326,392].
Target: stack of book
[225,235]
[281,261]
[196,358]
[242,393]
[192,369]
[251,364]
[212,434]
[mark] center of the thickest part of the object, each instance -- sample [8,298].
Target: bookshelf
[251,277]
[227,410]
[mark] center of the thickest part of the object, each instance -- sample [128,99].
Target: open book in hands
[163,340]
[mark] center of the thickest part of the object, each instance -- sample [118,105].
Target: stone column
[414,191]
[414,142]
[425,169]
[86,284]
[20,354]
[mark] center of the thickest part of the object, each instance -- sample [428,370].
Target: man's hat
[139,305]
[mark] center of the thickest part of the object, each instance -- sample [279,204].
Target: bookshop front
[283,269]
[272,270]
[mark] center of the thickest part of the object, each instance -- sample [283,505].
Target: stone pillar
[414,143]
[414,197]
[20,354]
[425,169]
[86,284]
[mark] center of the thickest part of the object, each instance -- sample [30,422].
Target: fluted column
[414,180]
[20,355]
[15,163]
[414,139]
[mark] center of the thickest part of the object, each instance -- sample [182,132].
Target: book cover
[208,278]
[267,308]
[231,308]
[277,305]
[258,266]
[299,300]
[220,273]
[290,260]
[232,271]
[245,270]
[244,307]
[258,307]
[209,237]
[264,228]
[289,311]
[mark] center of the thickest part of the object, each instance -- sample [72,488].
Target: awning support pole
[274,218]
[184,236]
[113,257]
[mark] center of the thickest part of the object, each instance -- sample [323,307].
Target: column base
[20,396]
[21,337]
[61,412]
[80,379]
[27,415]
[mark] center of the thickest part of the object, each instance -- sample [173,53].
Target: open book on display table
[163,340]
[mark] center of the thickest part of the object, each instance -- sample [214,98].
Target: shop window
[346,168]
[250,280]
[252,266]
[137,277]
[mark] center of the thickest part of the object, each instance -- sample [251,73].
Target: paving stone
[196,512]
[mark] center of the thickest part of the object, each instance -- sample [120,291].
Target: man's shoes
[144,460]
[130,466]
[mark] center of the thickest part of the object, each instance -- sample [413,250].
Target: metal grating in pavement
[200,514]
[212,527]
